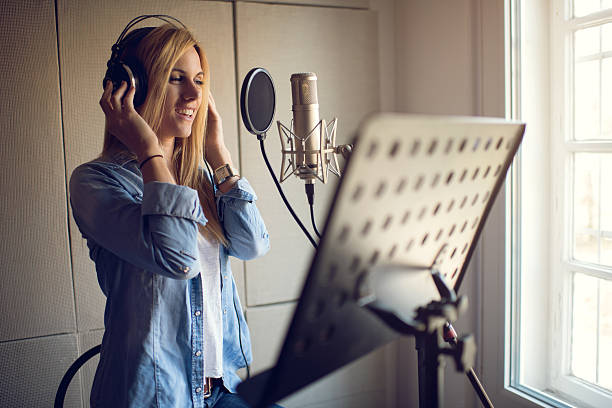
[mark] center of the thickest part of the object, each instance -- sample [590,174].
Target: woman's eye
[199,81]
[176,78]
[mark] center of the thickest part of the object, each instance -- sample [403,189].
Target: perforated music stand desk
[414,198]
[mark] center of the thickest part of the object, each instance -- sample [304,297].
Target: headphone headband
[163,17]
[128,68]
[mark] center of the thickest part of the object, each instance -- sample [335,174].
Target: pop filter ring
[248,116]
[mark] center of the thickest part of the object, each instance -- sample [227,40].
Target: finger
[105,98]
[117,95]
[128,99]
[212,106]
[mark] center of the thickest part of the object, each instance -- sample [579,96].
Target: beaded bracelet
[142,163]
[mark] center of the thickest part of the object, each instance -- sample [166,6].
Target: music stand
[400,232]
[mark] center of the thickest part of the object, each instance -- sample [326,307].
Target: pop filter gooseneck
[257,107]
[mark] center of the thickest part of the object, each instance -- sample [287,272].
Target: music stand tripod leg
[430,370]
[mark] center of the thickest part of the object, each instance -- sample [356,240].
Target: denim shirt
[143,240]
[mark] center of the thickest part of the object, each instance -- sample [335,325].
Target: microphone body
[306,127]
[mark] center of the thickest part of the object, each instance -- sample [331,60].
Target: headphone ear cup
[139,75]
[132,72]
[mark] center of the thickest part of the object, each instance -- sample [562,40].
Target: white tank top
[212,313]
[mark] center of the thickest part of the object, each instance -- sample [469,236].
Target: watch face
[224,172]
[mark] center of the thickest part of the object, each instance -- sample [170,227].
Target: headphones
[123,64]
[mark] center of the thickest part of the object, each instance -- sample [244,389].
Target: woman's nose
[192,91]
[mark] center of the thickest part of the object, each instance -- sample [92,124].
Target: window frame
[563,106]
[500,238]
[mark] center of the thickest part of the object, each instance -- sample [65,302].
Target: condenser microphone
[309,144]
[305,107]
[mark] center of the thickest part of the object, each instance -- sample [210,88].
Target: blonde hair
[158,52]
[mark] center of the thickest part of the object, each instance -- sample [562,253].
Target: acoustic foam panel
[32,370]
[36,290]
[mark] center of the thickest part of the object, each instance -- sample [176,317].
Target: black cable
[280,191]
[312,219]
[310,195]
[246,363]
[72,370]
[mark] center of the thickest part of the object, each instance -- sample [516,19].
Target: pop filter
[257,101]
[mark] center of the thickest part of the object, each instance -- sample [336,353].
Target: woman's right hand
[125,123]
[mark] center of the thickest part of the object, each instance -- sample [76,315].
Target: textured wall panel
[341,47]
[361,380]
[36,290]
[87,31]
[32,370]
[268,325]
[361,4]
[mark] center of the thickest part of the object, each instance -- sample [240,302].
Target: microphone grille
[304,88]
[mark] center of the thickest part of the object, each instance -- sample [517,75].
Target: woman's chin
[179,133]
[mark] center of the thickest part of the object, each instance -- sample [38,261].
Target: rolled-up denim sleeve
[156,232]
[243,225]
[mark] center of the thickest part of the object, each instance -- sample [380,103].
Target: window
[559,336]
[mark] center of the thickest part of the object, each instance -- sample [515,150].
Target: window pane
[606,37]
[606,196]
[584,7]
[586,207]
[606,99]
[606,252]
[586,100]
[584,328]
[586,42]
[605,335]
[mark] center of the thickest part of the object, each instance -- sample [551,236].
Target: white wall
[450,61]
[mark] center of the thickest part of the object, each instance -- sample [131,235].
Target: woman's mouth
[185,113]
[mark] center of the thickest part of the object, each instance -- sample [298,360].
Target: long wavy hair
[158,52]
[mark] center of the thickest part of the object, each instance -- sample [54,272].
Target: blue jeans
[222,398]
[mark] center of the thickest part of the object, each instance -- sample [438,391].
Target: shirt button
[198,353]
[197,313]
[198,390]
[185,269]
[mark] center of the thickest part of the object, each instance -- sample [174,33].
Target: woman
[160,233]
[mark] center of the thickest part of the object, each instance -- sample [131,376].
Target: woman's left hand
[216,152]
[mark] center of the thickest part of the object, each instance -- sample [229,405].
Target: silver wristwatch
[224,172]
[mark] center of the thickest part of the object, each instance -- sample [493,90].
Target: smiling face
[183,96]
